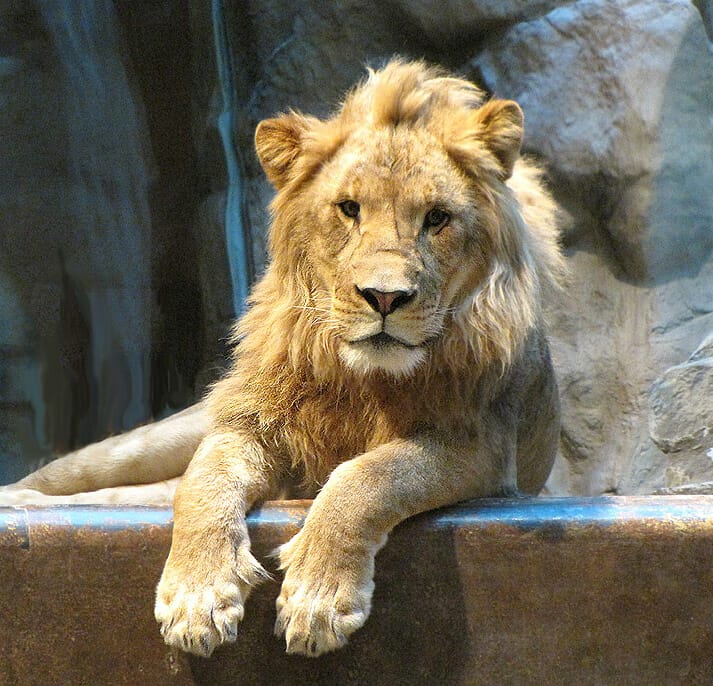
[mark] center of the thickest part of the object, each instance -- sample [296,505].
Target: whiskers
[320,316]
[431,321]
[339,321]
[443,312]
[311,308]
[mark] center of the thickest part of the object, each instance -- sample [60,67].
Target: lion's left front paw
[325,596]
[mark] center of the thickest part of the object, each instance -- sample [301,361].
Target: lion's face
[393,241]
[387,220]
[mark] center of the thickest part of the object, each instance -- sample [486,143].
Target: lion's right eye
[349,208]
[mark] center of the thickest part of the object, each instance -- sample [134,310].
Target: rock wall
[74,213]
[618,100]
[109,186]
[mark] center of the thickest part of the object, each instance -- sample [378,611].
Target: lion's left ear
[279,142]
[496,128]
[501,129]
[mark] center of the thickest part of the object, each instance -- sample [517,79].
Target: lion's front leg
[210,570]
[329,565]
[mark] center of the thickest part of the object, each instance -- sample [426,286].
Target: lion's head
[405,226]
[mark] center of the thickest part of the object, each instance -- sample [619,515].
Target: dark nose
[385,303]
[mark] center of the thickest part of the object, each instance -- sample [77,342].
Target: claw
[206,647]
[294,644]
[280,624]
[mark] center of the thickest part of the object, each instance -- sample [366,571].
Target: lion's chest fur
[332,424]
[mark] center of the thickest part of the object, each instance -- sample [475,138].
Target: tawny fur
[458,401]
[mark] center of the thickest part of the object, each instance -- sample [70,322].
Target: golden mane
[286,351]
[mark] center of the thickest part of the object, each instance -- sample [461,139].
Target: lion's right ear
[279,142]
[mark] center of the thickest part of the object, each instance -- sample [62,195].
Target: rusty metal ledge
[524,591]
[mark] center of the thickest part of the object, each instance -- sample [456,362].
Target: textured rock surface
[618,99]
[110,215]
[681,419]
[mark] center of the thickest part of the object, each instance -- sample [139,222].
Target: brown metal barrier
[534,591]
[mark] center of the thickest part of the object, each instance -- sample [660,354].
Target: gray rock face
[681,418]
[471,18]
[618,101]
[100,204]
[618,97]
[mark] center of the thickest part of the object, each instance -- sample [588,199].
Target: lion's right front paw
[199,614]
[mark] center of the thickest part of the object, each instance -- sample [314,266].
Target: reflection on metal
[594,511]
[236,236]
[525,513]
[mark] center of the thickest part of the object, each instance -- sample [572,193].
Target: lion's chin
[366,357]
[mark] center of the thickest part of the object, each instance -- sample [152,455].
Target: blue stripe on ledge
[519,512]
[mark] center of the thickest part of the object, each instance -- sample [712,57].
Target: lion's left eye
[436,219]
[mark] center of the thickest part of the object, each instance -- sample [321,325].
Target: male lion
[393,359]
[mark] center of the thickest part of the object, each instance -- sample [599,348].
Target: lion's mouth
[383,340]
[382,351]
